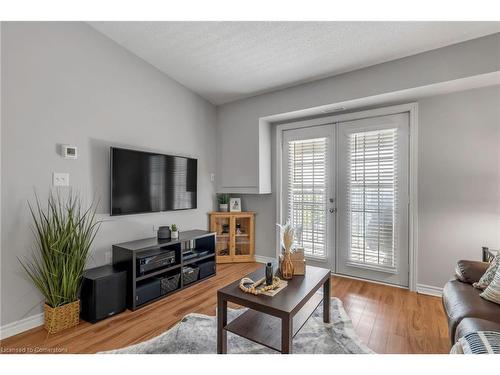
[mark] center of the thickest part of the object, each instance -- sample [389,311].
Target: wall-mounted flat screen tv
[148,182]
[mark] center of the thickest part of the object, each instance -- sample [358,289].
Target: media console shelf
[171,265]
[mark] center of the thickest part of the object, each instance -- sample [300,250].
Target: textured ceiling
[226,61]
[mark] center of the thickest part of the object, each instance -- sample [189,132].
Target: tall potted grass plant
[64,231]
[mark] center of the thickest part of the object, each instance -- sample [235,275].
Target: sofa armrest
[470,271]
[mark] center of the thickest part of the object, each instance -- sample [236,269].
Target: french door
[346,186]
[373,198]
[309,190]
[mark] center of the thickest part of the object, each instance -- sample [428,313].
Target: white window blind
[372,197]
[307,190]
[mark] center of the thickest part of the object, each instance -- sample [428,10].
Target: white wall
[67,83]
[459,180]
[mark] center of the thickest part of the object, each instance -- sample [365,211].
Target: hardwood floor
[387,319]
[394,320]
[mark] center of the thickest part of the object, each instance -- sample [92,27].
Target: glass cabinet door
[222,227]
[242,235]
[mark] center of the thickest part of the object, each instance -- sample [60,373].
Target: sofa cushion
[461,300]
[492,291]
[470,271]
[483,342]
[488,276]
[470,325]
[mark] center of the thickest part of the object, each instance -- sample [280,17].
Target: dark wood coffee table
[273,321]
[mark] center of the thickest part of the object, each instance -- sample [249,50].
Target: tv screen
[148,182]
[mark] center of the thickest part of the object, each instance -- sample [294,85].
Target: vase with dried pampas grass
[287,239]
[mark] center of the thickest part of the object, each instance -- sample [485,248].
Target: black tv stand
[199,244]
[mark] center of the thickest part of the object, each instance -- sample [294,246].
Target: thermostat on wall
[69,152]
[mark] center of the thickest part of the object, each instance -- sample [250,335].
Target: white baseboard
[20,326]
[429,290]
[368,280]
[421,288]
[263,259]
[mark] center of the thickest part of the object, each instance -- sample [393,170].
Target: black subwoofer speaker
[103,293]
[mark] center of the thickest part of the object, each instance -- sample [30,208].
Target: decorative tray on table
[259,287]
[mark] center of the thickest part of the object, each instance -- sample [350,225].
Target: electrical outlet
[107,257]
[212,177]
[60,179]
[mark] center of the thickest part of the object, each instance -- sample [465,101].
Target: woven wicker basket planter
[62,317]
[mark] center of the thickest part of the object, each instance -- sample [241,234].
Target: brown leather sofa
[466,311]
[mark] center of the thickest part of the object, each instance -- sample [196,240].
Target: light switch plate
[60,179]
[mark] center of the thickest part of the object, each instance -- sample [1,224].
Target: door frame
[412,110]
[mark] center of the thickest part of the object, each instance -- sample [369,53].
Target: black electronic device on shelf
[156,268]
[194,253]
[148,262]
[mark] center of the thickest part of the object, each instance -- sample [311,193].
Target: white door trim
[412,109]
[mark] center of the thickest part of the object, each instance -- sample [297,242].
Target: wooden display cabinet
[235,235]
